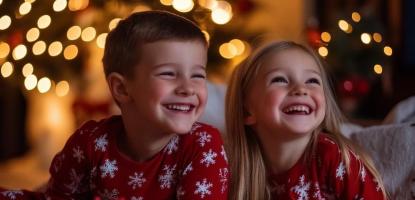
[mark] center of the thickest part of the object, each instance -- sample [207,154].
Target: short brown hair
[123,42]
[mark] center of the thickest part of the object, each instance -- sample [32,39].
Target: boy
[154,62]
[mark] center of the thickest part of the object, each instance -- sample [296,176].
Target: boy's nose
[185,88]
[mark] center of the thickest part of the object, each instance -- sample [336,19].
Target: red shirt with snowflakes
[190,166]
[325,177]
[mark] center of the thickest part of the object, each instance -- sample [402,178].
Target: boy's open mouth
[299,109]
[180,107]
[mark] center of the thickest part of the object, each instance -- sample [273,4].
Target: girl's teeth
[298,108]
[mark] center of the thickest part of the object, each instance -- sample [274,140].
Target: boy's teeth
[179,107]
[298,108]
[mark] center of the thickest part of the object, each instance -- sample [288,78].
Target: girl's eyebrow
[313,71]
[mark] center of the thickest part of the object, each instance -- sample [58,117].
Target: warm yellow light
[25,8]
[62,88]
[75,5]
[356,17]
[27,69]
[43,21]
[227,50]
[39,47]
[30,1]
[44,84]
[387,50]
[88,34]
[325,36]
[70,52]
[7,69]
[343,25]
[59,5]
[166,2]
[349,29]
[378,69]
[32,34]
[101,40]
[377,37]
[365,37]
[74,32]
[207,36]
[1,1]
[5,22]
[183,5]
[4,49]
[220,16]
[19,52]
[113,23]
[55,48]
[30,82]
[323,51]
[239,45]
[209,4]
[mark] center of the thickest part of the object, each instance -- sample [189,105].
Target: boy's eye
[199,75]
[279,79]
[313,80]
[166,74]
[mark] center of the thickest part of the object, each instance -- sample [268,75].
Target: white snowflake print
[92,175]
[101,143]
[223,153]
[136,180]
[167,179]
[180,192]
[302,189]
[172,146]
[195,126]
[377,184]
[358,198]
[12,194]
[75,181]
[109,195]
[188,169]
[208,158]
[202,188]
[137,198]
[78,154]
[223,174]
[317,193]
[340,171]
[203,138]
[109,167]
[362,173]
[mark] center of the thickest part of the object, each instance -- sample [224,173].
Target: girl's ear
[118,87]
[249,119]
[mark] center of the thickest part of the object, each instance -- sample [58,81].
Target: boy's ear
[118,87]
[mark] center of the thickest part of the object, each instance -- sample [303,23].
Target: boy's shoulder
[99,127]
[203,135]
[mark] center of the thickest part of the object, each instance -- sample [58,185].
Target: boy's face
[168,89]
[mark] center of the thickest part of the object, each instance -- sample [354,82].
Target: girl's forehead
[288,59]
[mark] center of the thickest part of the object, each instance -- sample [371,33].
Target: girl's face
[286,98]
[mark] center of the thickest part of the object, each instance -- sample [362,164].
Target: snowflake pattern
[203,138]
[78,154]
[317,193]
[302,189]
[167,179]
[137,198]
[202,188]
[101,143]
[109,195]
[180,192]
[223,153]
[12,194]
[223,174]
[340,171]
[188,168]
[58,161]
[109,167]
[195,126]
[278,188]
[172,146]
[208,158]
[137,180]
[362,173]
[75,181]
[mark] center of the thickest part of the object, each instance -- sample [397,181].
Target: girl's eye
[313,80]
[279,79]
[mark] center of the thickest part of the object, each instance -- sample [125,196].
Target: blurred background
[52,80]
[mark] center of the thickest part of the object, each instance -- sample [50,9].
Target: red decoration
[15,38]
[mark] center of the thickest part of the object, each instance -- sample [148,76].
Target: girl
[283,132]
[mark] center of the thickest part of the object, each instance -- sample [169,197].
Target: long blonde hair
[248,168]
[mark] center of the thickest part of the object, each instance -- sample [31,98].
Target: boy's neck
[282,155]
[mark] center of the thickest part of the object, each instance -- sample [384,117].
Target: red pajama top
[90,166]
[326,177]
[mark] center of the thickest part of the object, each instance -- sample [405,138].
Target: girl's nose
[299,91]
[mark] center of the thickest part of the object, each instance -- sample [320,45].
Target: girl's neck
[140,144]
[282,155]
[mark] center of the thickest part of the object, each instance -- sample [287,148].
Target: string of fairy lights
[366,38]
[220,11]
